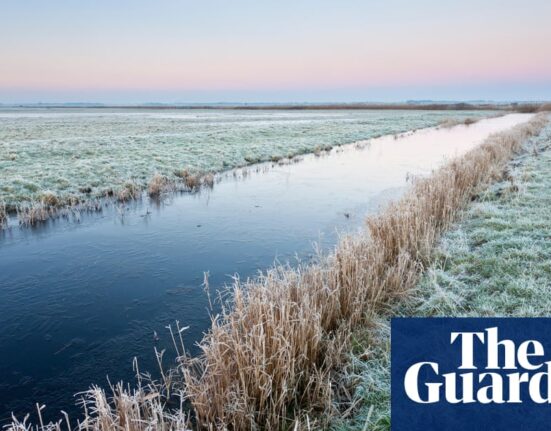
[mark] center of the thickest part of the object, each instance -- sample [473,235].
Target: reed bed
[51,206]
[157,185]
[452,122]
[96,154]
[448,123]
[271,353]
[271,358]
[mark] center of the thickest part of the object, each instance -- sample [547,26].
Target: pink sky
[78,49]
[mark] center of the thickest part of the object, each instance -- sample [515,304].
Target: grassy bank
[274,356]
[59,160]
[495,262]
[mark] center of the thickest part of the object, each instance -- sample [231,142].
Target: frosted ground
[87,153]
[495,262]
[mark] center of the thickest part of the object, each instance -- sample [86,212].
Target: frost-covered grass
[272,357]
[495,262]
[83,154]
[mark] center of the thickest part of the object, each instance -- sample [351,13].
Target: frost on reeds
[191,181]
[270,354]
[37,212]
[451,122]
[50,199]
[157,185]
[129,191]
[208,180]
[273,352]
[121,408]
[33,213]
[3,216]
[49,205]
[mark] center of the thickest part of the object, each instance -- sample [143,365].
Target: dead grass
[32,214]
[36,212]
[50,199]
[183,173]
[3,216]
[129,191]
[208,180]
[271,353]
[451,122]
[51,206]
[121,408]
[191,181]
[270,358]
[157,185]
[531,107]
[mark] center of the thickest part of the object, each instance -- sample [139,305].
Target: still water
[80,299]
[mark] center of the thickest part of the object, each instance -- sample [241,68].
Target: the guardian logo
[488,374]
[484,385]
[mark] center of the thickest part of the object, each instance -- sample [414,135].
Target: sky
[199,51]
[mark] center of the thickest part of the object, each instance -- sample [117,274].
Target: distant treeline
[528,107]
[459,106]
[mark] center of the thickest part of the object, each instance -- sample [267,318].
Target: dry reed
[3,216]
[32,214]
[129,191]
[139,409]
[531,107]
[157,185]
[452,122]
[49,205]
[270,356]
[50,199]
[191,181]
[208,180]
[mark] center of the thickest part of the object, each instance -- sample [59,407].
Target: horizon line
[274,103]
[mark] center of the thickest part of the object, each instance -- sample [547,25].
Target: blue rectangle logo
[470,374]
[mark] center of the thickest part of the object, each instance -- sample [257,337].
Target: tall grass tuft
[129,191]
[191,181]
[452,122]
[50,200]
[157,185]
[33,214]
[208,180]
[269,360]
[3,216]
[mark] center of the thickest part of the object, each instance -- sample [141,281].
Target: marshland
[210,211]
[55,158]
[91,290]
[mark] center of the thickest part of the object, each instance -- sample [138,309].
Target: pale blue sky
[259,51]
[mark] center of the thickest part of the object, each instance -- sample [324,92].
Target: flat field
[86,153]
